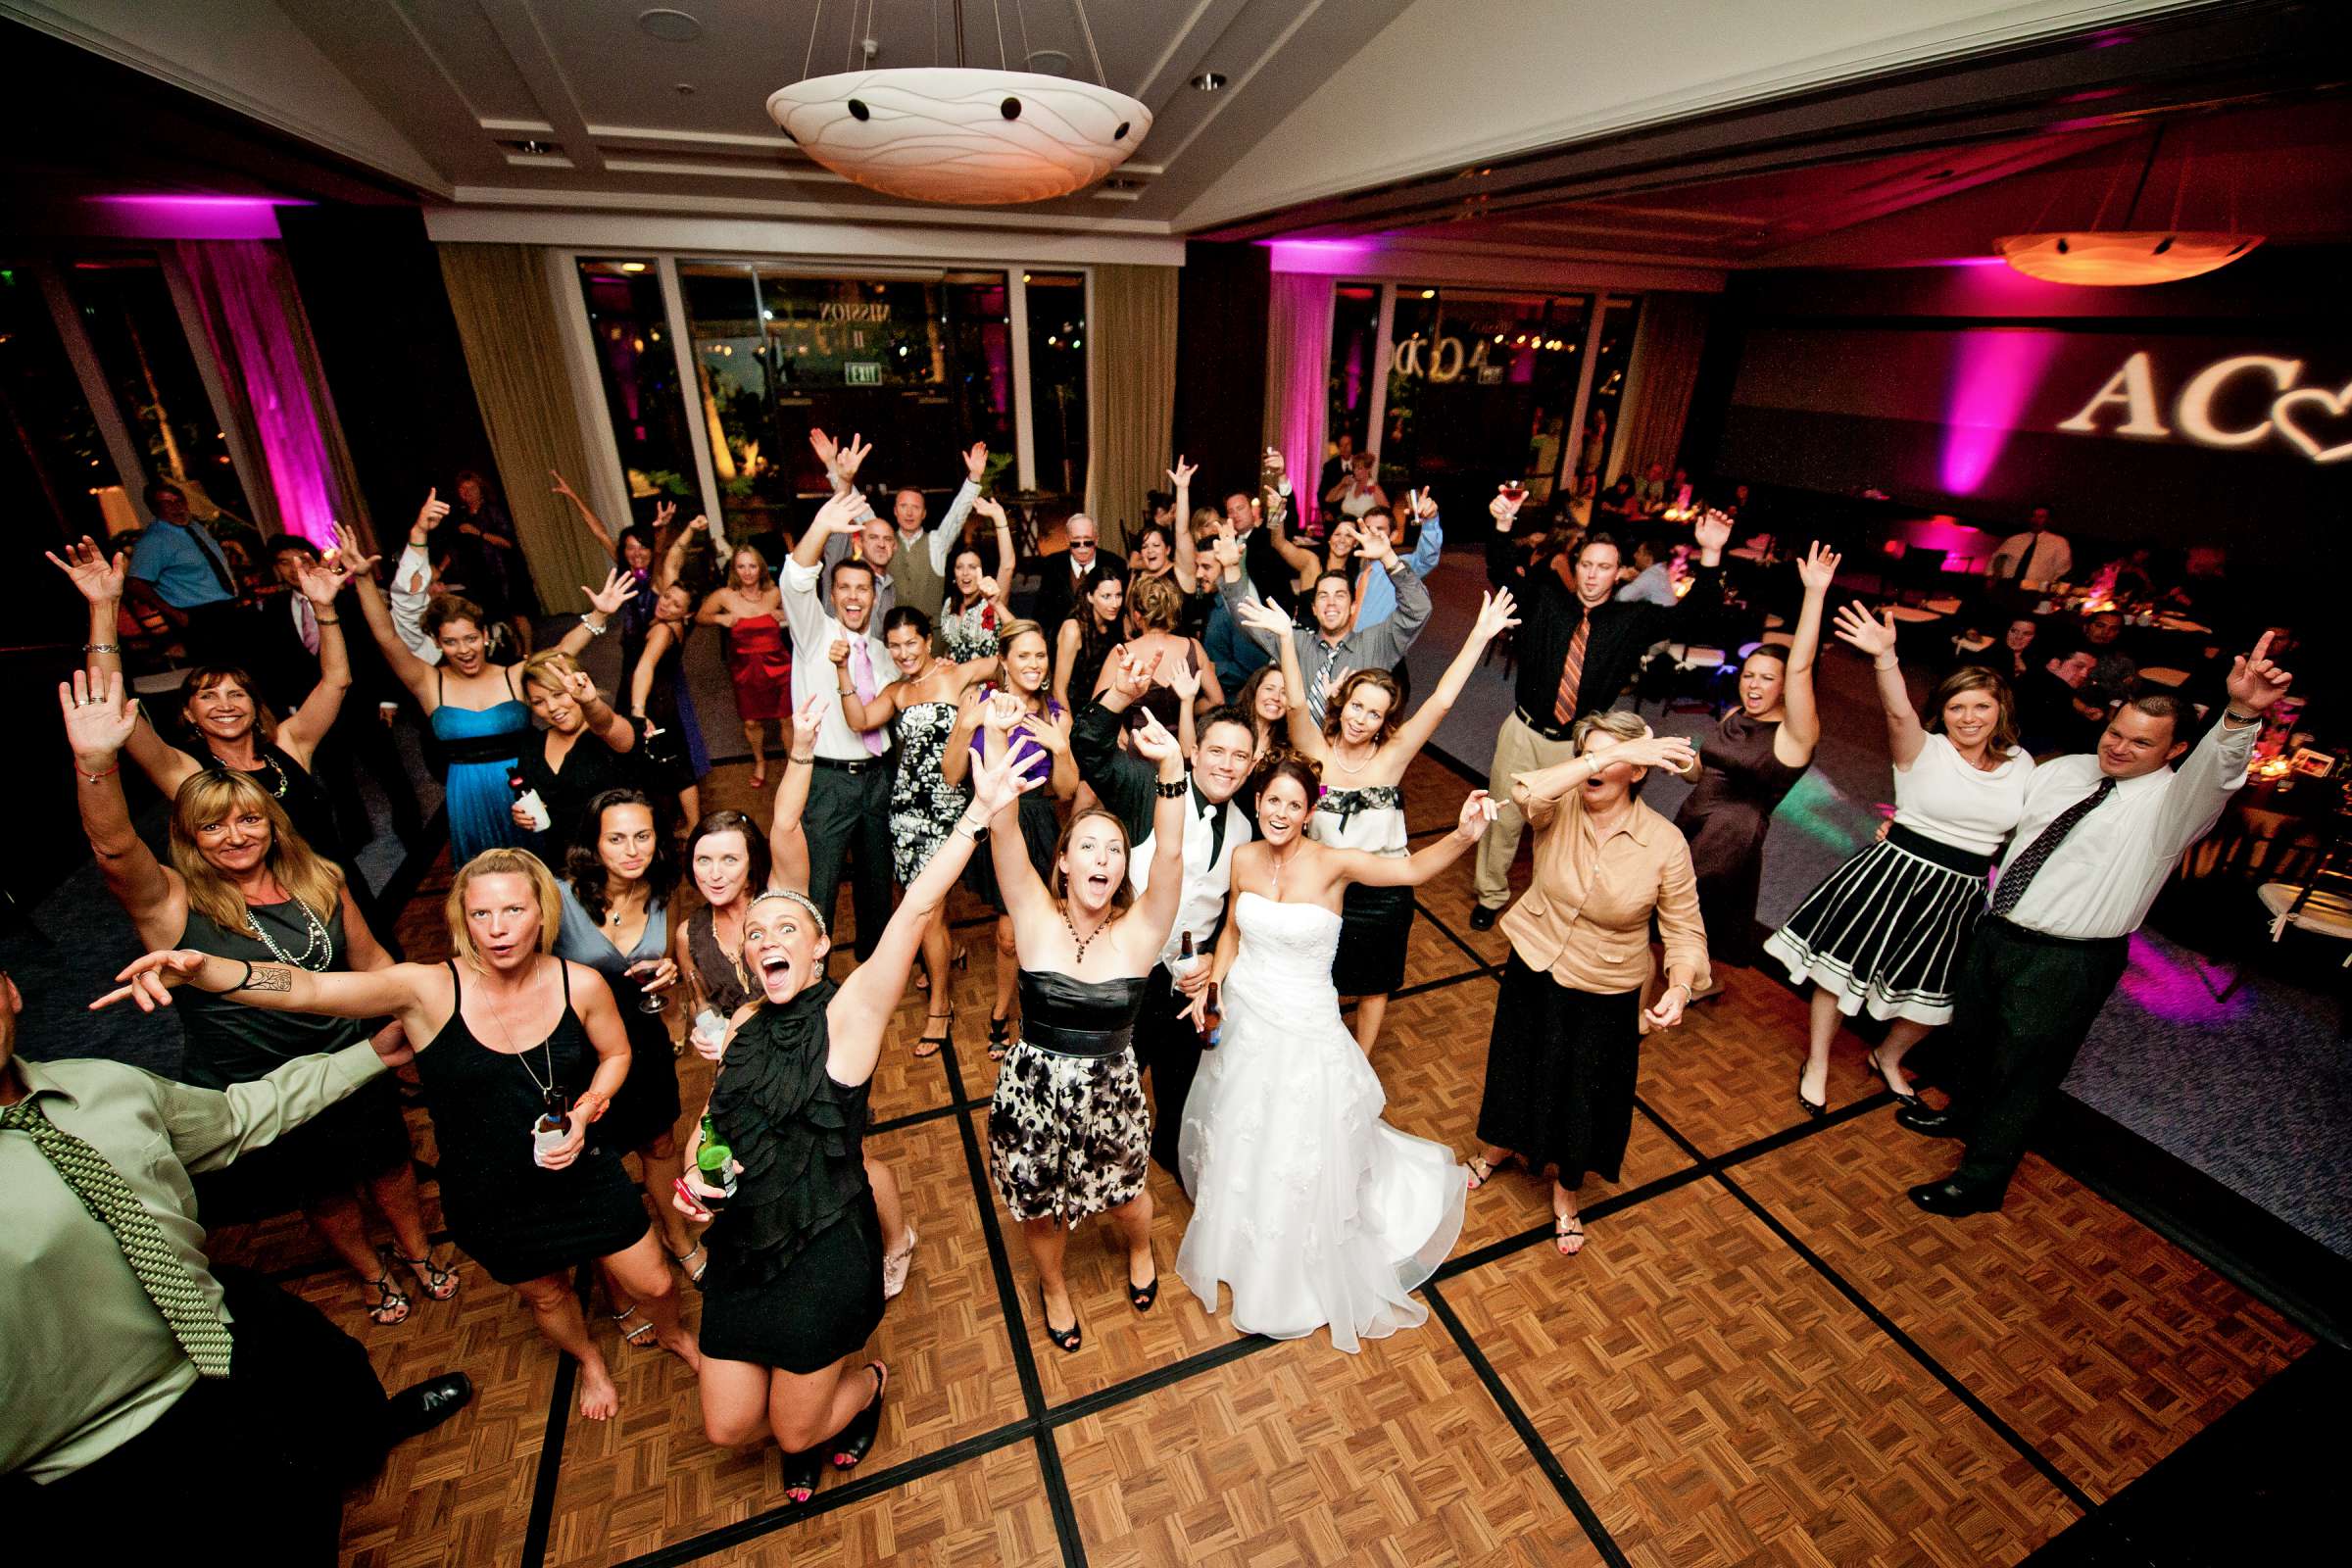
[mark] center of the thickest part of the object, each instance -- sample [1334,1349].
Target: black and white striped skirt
[1888,929]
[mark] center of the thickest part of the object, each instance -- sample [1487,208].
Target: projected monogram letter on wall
[2214,405]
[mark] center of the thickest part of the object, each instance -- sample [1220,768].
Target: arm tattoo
[270,977]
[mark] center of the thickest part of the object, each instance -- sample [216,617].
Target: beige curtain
[514,350]
[1299,374]
[1657,386]
[1131,406]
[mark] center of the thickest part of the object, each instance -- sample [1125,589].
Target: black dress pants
[847,823]
[2024,1004]
[254,1464]
[1168,1048]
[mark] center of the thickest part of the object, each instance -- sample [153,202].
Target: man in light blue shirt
[1654,578]
[183,576]
[1379,593]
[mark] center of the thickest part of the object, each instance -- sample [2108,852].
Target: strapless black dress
[1069,1132]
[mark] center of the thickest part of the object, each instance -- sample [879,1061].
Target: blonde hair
[503,863]
[1155,603]
[1622,722]
[767,578]
[536,670]
[211,796]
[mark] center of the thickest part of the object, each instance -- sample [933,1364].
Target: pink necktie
[862,678]
[306,622]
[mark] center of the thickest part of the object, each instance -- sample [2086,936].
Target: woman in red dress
[759,657]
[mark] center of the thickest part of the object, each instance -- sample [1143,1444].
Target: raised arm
[99,718]
[1904,736]
[1065,658]
[1026,899]
[1410,871]
[603,604]
[1180,479]
[301,734]
[856,712]
[1801,731]
[1496,613]
[1118,779]
[1394,637]
[596,527]
[2194,796]
[967,500]
[413,672]
[1538,794]
[787,845]
[99,579]
[673,560]
[641,679]
[1153,915]
[861,1009]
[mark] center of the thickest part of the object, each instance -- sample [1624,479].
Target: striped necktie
[1316,703]
[194,1319]
[2018,874]
[1572,672]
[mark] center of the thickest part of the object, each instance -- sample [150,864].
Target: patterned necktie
[862,677]
[1572,673]
[195,1322]
[306,623]
[1316,702]
[2019,874]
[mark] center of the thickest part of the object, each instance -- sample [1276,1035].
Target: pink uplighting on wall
[193,216]
[244,304]
[1327,256]
[1993,376]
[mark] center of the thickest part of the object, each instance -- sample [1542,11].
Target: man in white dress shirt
[2100,835]
[847,816]
[2033,559]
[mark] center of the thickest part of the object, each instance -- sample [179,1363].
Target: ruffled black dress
[796,1256]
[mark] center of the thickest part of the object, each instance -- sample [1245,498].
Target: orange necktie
[1572,673]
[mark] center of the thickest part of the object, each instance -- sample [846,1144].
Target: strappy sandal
[1481,1172]
[1000,1038]
[1901,1096]
[635,1336]
[1064,1339]
[391,1304]
[959,959]
[685,1260]
[855,1440]
[1141,1296]
[438,1284]
[946,1025]
[1568,1233]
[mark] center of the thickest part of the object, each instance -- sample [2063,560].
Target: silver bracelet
[101,648]
[971,829]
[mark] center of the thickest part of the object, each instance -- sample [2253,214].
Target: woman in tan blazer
[1566,1047]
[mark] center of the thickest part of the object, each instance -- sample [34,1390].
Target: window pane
[1479,386]
[128,314]
[635,362]
[61,469]
[1354,361]
[1608,386]
[1057,384]
[757,477]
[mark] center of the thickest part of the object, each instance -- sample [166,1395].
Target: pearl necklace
[320,939]
[1352,767]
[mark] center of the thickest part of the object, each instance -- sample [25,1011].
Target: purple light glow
[1328,256]
[194,217]
[245,314]
[2174,991]
[1992,377]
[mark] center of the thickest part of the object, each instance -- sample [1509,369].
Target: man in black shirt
[1578,645]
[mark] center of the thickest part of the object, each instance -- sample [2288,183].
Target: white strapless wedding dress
[1306,1206]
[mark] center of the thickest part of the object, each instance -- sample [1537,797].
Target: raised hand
[562,487]
[1504,509]
[582,687]
[149,979]
[1856,625]
[98,578]
[1180,477]
[1152,743]
[838,512]
[663,511]
[430,516]
[839,652]
[827,450]
[1498,612]
[99,718]
[997,781]
[350,560]
[1258,616]
[1712,530]
[975,461]
[317,582]
[1225,549]
[1819,568]
[852,457]
[2254,682]
[1179,676]
[987,589]
[807,720]
[1477,815]
[1272,462]
[1131,676]
[619,586]
[699,524]
[994,511]
[1328,684]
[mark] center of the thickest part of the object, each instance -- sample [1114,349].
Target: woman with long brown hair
[1886,930]
[520,1051]
[244,885]
[586,748]
[1362,749]
[748,606]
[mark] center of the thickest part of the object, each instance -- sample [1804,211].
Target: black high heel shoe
[801,1471]
[857,1440]
[1901,1098]
[1141,1296]
[1064,1339]
[1000,1036]
[1815,1108]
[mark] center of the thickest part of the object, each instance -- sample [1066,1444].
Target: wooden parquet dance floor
[1764,1354]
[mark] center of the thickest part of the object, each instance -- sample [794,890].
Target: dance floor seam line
[551,1446]
[1885,1325]
[1537,1449]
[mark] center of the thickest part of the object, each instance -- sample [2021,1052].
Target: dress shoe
[422,1407]
[1927,1121]
[1483,919]
[1954,1197]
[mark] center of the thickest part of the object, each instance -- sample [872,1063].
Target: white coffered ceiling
[619,106]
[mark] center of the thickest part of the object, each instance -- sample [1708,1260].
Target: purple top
[1039,763]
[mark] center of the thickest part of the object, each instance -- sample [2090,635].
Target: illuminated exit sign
[861,373]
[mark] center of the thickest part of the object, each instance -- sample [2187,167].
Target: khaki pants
[1517,750]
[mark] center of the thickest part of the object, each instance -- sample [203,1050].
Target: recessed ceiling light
[1209,81]
[535,148]
[1049,63]
[671,26]
[684,90]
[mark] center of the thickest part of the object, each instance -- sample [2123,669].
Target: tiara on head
[801,899]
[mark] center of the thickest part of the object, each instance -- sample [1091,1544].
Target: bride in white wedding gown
[1306,1206]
